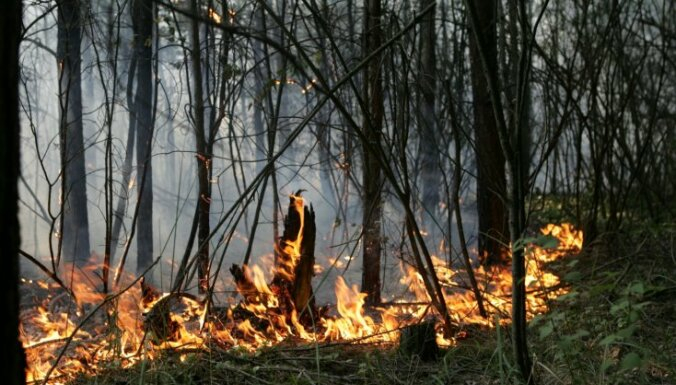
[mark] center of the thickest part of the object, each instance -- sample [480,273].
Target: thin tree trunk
[122,200]
[203,158]
[454,196]
[75,228]
[491,181]
[324,115]
[271,137]
[371,178]
[12,354]
[429,149]
[259,90]
[143,106]
[509,137]
[283,126]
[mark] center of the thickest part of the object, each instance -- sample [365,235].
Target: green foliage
[627,314]
[576,330]
[572,277]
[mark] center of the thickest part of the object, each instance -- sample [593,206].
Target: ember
[66,336]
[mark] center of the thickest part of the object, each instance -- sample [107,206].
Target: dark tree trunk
[511,144]
[429,135]
[491,182]
[282,74]
[512,73]
[202,155]
[75,227]
[142,17]
[372,179]
[12,355]
[259,90]
[324,116]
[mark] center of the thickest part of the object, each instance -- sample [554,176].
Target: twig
[49,273]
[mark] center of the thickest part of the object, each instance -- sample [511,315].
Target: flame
[291,248]
[353,323]
[213,15]
[132,324]
[496,283]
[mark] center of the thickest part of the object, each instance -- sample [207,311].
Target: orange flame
[291,248]
[121,331]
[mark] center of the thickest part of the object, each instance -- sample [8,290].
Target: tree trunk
[202,155]
[328,188]
[491,181]
[142,17]
[524,134]
[511,145]
[259,90]
[371,178]
[122,200]
[429,150]
[282,76]
[12,354]
[75,228]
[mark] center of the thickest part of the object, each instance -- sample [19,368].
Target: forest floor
[615,326]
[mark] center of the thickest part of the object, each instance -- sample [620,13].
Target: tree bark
[202,155]
[259,91]
[282,74]
[12,352]
[75,224]
[142,17]
[510,139]
[323,125]
[429,149]
[491,182]
[372,179]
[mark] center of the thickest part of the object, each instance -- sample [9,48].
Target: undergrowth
[615,326]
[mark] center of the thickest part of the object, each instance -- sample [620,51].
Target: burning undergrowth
[67,334]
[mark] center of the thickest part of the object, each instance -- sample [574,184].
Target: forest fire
[67,335]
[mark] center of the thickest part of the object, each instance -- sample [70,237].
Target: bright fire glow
[213,15]
[135,325]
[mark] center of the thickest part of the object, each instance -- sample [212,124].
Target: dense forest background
[131,136]
[163,138]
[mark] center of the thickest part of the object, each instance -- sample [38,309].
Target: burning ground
[84,332]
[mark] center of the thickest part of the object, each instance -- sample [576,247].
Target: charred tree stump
[419,340]
[304,271]
[294,267]
[296,257]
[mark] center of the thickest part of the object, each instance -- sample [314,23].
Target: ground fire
[67,334]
